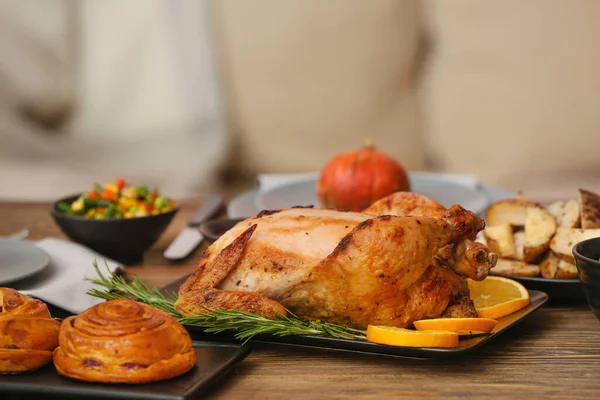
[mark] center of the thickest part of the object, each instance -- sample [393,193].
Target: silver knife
[190,237]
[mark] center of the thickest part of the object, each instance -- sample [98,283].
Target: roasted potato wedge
[563,241]
[540,227]
[566,213]
[515,268]
[590,209]
[500,240]
[549,265]
[508,211]
[519,239]
[566,270]
[531,239]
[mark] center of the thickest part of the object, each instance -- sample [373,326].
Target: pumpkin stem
[369,143]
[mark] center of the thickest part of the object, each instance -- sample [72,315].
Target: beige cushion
[308,79]
[513,92]
[94,90]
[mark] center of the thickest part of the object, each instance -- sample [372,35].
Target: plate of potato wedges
[534,242]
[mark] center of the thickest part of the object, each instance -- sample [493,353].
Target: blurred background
[195,96]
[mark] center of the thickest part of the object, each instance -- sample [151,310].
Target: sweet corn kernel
[126,204]
[130,192]
[129,215]
[77,205]
[99,216]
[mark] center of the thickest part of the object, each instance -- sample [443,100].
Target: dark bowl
[123,240]
[586,255]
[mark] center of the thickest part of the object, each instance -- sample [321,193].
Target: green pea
[142,192]
[91,203]
[110,211]
[161,202]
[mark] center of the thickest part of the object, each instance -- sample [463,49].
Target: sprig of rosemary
[119,288]
[245,325]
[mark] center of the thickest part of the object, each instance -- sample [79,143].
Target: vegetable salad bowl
[121,239]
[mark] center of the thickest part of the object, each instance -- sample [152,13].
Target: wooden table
[553,354]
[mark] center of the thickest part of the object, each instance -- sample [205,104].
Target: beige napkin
[62,283]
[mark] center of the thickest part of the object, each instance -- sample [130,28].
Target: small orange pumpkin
[354,180]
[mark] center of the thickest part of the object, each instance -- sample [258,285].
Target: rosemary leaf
[243,324]
[118,288]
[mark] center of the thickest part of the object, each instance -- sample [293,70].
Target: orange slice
[407,337]
[462,326]
[497,296]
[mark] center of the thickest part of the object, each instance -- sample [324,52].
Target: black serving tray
[213,362]
[467,344]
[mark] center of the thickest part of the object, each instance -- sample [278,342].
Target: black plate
[213,229]
[562,290]
[538,299]
[213,362]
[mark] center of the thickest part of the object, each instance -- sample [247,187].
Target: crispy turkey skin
[401,260]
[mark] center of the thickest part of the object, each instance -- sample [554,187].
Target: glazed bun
[123,341]
[28,334]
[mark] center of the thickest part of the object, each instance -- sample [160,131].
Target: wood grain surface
[553,354]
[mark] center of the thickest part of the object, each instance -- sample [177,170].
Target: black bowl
[586,255]
[123,240]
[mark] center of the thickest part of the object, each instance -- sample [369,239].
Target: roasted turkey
[403,259]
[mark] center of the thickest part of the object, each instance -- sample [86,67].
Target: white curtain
[91,90]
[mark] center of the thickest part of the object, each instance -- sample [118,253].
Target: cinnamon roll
[28,334]
[123,341]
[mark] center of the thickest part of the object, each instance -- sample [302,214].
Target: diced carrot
[108,194]
[150,207]
[172,204]
[120,183]
[151,197]
[93,195]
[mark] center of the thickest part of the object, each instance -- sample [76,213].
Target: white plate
[474,198]
[20,259]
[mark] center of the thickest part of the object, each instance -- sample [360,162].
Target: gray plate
[19,259]
[446,193]
[303,193]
